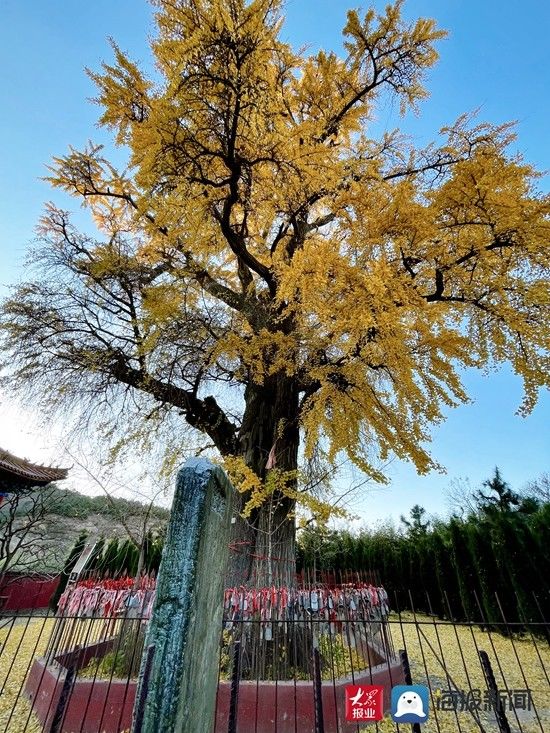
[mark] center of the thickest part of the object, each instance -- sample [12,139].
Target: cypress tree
[449,596]
[523,576]
[539,530]
[70,562]
[131,555]
[156,554]
[110,560]
[464,572]
[428,557]
[504,552]
[94,562]
[487,571]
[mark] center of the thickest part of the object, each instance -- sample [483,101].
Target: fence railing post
[404,657]
[235,681]
[64,696]
[318,692]
[145,675]
[500,714]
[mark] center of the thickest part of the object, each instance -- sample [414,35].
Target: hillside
[68,514]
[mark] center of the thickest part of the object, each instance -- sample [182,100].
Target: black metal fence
[285,663]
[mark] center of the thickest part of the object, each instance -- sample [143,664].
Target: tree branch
[203,414]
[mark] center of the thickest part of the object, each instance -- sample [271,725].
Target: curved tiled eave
[22,471]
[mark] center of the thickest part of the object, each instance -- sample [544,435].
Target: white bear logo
[409,703]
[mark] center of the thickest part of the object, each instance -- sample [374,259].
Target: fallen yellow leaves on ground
[21,640]
[442,656]
[445,656]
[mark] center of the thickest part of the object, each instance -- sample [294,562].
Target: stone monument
[179,674]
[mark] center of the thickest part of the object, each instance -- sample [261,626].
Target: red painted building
[20,591]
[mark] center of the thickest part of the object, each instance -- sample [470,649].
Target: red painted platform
[264,707]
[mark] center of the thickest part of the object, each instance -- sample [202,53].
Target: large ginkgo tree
[271,274]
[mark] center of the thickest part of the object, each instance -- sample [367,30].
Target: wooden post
[186,620]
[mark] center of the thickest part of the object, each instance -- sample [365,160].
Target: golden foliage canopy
[259,232]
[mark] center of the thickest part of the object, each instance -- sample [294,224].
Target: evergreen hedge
[488,567]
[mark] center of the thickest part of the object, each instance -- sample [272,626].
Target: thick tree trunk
[275,548]
[269,439]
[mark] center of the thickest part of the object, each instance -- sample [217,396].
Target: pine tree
[501,498]
[417,526]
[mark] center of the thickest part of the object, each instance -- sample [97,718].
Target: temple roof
[24,470]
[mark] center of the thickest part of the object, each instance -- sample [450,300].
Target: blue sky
[495,59]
